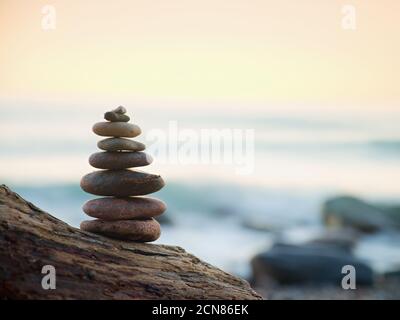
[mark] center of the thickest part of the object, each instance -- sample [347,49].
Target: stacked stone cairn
[121,213]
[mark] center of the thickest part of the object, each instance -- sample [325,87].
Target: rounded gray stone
[119,109]
[119,160]
[116,129]
[116,117]
[121,183]
[120,144]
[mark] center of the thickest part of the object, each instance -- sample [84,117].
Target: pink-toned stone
[136,230]
[124,208]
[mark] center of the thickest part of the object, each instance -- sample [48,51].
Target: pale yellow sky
[272,51]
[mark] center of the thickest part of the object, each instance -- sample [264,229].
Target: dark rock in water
[121,183]
[355,213]
[116,117]
[136,230]
[341,238]
[120,144]
[119,160]
[393,274]
[309,264]
[392,212]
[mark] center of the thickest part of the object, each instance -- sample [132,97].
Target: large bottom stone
[121,183]
[124,208]
[145,230]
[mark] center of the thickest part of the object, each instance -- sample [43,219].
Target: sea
[294,161]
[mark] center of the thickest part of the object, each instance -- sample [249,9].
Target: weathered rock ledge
[89,266]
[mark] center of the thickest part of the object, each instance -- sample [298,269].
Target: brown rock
[116,117]
[98,268]
[136,230]
[121,183]
[120,144]
[119,160]
[116,129]
[124,208]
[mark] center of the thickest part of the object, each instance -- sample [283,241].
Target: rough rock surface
[346,211]
[90,266]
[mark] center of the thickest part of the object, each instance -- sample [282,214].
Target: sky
[260,53]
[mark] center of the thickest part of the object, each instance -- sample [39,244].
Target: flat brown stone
[136,230]
[121,183]
[116,129]
[120,144]
[124,208]
[119,160]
